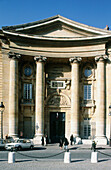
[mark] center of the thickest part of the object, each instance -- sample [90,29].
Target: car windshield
[20,141]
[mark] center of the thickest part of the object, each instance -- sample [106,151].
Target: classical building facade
[55,80]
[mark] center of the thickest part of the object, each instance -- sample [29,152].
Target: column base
[77,140]
[101,140]
[38,139]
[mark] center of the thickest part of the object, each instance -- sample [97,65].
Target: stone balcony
[88,103]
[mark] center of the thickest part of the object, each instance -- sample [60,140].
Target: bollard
[11,156]
[67,157]
[94,157]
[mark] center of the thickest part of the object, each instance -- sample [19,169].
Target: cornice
[53,19]
[57,38]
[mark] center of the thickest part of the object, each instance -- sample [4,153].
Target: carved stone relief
[58,100]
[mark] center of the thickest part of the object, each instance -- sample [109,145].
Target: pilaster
[75,97]
[13,95]
[39,107]
[100,100]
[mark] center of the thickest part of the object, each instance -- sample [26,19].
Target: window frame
[27,92]
[57,81]
[87,128]
[88,92]
[27,66]
[86,67]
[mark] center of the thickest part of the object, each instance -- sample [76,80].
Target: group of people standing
[44,140]
[65,142]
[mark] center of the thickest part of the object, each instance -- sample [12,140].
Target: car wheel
[19,148]
[31,147]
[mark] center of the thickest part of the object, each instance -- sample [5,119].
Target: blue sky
[95,13]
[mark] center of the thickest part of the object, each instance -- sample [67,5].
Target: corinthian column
[100,100]
[13,95]
[75,97]
[39,113]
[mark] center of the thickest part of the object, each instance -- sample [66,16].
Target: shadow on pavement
[24,160]
[3,160]
[99,148]
[103,160]
[35,148]
[74,148]
[72,161]
[39,148]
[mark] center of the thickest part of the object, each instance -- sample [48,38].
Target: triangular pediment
[57,29]
[57,26]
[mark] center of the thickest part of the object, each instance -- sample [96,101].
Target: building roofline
[57,38]
[55,18]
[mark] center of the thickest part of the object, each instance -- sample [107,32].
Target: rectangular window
[27,91]
[87,131]
[87,92]
[58,84]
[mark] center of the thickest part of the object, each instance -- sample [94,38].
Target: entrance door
[87,128]
[57,126]
[27,127]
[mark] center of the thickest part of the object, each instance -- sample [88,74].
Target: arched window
[87,71]
[27,71]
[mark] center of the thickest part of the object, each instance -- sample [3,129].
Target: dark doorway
[57,126]
[27,133]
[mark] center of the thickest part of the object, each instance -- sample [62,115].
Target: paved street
[52,157]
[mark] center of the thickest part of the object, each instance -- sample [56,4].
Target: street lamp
[2,107]
[110,124]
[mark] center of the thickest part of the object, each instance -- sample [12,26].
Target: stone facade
[55,80]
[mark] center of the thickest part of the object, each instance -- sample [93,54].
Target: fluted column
[39,113]
[75,96]
[100,100]
[13,95]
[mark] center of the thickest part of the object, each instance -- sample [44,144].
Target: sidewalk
[104,164]
[56,164]
[89,146]
[79,146]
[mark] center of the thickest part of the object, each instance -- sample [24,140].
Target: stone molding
[14,56]
[101,58]
[75,59]
[58,100]
[40,59]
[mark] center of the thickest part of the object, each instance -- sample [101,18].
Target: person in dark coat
[71,139]
[61,143]
[66,143]
[46,139]
[42,140]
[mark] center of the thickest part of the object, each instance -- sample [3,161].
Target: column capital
[101,58]
[14,56]
[40,59]
[75,59]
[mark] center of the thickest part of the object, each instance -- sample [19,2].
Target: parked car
[2,143]
[20,144]
[9,139]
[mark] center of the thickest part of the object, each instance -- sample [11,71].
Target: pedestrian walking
[61,143]
[72,139]
[66,143]
[42,140]
[46,140]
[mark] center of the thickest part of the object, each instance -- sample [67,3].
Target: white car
[20,144]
